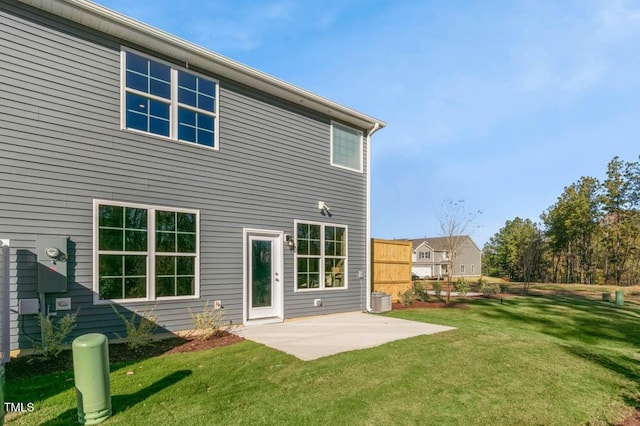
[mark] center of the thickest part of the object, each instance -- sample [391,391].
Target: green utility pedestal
[619,297]
[91,371]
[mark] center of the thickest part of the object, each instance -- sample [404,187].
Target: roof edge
[113,23]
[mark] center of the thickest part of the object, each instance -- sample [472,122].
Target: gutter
[375,128]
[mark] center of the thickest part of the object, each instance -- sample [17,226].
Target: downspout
[375,128]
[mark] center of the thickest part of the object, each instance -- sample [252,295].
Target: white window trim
[151,252]
[173,102]
[424,255]
[331,149]
[462,268]
[322,258]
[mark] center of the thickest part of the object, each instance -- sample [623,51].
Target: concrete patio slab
[317,337]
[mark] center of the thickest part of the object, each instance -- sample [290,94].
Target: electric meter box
[52,259]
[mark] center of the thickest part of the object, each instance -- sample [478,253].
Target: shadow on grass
[119,353]
[617,363]
[25,376]
[121,403]
[594,330]
[571,318]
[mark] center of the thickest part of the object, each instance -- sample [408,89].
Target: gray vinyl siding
[61,147]
[469,255]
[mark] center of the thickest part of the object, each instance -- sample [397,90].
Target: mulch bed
[28,366]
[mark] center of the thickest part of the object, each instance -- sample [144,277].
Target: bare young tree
[456,222]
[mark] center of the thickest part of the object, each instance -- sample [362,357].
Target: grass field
[561,360]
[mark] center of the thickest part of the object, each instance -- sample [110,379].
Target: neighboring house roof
[123,27]
[436,243]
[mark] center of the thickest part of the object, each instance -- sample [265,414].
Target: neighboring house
[430,258]
[139,170]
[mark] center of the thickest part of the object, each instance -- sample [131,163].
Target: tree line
[589,236]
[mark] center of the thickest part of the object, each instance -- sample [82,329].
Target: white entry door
[263,275]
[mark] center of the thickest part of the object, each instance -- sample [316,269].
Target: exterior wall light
[290,242]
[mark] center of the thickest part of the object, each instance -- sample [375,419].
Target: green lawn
[532,360]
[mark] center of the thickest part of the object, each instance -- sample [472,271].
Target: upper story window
[424,255]
[346,147]
[168,101]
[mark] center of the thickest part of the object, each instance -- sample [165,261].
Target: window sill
[166,138]
[143,300]
[360,171]
[313,290]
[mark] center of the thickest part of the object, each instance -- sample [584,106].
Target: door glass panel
[261,273]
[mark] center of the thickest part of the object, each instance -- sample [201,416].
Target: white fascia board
[123,27]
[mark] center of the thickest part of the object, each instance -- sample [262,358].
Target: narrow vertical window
[123,252]
[148,95]
[335,255]
[175,253]
[196,109]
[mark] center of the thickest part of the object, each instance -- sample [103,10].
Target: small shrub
[489,289]
[140,335]
[406,297]
[207,322]
[54,335]
[437,289]
[504,288]
[462,287]
[420,292]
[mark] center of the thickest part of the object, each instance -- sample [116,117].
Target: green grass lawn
[532,360]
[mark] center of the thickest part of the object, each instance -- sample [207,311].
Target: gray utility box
[52,254]
[380,302]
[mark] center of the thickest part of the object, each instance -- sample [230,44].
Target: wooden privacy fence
[391,266]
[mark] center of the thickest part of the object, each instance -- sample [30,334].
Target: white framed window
[321,256]
[346,147]
[144,252]
[473,269]
[424,255]
[462,268]
[164,100]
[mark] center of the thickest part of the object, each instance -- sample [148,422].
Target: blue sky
[498,103]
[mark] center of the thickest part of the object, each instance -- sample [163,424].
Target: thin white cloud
[619,20]
[240,25]
[579,55]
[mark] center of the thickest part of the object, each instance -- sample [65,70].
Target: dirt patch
[29,366]
[632,420]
